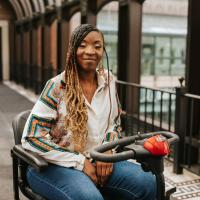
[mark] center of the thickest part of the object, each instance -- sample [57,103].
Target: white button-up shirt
[44,131]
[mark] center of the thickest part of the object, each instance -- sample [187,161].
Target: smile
[89,59]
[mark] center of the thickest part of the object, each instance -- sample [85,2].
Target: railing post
[180,122]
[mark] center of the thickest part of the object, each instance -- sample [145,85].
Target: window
[163,55]
[164,31]
[107,22]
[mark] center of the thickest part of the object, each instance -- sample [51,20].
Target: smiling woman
[77,111]
[90,52]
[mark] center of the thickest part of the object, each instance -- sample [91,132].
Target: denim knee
[131,182]
[86,193]
[50,187]
[149,187]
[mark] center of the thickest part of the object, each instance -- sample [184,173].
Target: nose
[90,50]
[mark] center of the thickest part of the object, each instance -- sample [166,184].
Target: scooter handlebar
[138,151]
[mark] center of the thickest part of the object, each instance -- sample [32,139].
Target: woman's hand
[104,170]
[90,170]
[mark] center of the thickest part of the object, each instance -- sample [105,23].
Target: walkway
[11,103]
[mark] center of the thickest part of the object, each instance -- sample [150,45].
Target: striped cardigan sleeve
[36,135]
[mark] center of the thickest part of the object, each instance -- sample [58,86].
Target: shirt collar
[101,78]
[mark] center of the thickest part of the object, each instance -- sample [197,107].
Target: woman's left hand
[103,170]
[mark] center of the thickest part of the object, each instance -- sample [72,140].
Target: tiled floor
[188,184]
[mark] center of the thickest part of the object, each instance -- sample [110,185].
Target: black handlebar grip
[112,157]
[172,137]
[98,154]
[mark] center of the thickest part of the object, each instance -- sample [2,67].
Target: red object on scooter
[157,145]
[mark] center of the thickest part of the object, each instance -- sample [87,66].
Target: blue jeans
[128,181]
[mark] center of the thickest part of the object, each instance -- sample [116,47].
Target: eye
[82,45]
[98,46]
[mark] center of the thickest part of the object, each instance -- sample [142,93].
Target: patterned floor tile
[187,184]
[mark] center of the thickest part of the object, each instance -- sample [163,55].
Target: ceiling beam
[19,8]
[17,11]
[41,5]
[24,7]
[36,5]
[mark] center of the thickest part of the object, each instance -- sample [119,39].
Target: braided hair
[77,116]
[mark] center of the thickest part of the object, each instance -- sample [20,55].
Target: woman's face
[90,51]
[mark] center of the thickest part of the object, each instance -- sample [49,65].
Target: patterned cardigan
[44,131]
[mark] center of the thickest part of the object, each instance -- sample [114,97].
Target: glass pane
[162,47]
[107,22]
[162,67]
[178,67]
[179,47]
[147,62]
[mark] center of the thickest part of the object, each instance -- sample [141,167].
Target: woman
[78,110]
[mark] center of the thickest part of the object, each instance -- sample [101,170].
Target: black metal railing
[148,109]
[188,127]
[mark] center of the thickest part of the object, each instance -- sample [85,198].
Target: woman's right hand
[90,170]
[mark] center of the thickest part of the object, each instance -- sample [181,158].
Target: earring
[101,68]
